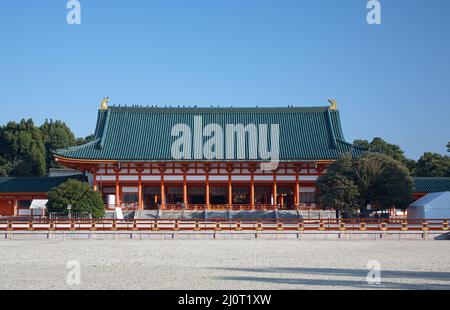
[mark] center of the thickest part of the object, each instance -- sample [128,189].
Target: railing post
[155,226]
[93,227]
[114,225]
[362,226]
[9,226]
[51,226]
[404,226]
[176,227]
[238,225]
[280,226]
[30,225]
[301,226]
[197,226]
[321,226]
[259,226]
[72,225]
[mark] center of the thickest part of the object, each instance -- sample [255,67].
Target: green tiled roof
[431,185]
[33,184]
[144,134]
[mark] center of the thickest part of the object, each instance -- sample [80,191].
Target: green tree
[6,167]
[23,147]
[56,135]
[374,178]
[383,182]
[79,195]
[336,189]
[381,146]
[433,165]
[362,144]
[411,164]
[87,139]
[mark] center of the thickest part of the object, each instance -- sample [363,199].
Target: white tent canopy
[431,206]
[37,207]
[39,204]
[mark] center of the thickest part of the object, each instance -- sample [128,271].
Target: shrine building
[198,158]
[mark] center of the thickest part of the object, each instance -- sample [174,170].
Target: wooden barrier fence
[225,225]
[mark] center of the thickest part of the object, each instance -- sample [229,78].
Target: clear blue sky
[391,80]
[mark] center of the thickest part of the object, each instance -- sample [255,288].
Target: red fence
[225,225]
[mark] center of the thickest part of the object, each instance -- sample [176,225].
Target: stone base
[222,235]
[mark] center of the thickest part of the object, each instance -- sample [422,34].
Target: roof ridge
[218,109]
[143,133]
[330,124]
[432,178]
[352,145]
[105,129]
[36,178]
[77,147]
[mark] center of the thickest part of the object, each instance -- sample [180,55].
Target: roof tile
[144,134]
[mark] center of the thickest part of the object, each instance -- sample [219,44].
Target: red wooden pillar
[163,194]
[230,187]
[274,191]
[162,168]
[15,208]
[94,182]
[297,187]
[252,186]
[207,192]
[207,169]
[140,200]
[117,187]
[185,195]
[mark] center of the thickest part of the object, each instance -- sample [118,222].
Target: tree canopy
[381,146]
[79,195]
[23,148]
[26,150]
[428,165]
[56,135]
[433,165]
[87,139]
[337,189]
[375,179]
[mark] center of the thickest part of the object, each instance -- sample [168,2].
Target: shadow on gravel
[342,283]
[358,273]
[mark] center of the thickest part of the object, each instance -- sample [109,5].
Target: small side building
[431,206]
[17,193]
[423,186]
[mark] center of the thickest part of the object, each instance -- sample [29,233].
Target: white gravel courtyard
[224,264]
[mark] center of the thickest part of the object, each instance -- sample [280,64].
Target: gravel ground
[224,264]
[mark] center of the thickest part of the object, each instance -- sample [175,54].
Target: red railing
[219,207]
[381,225]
